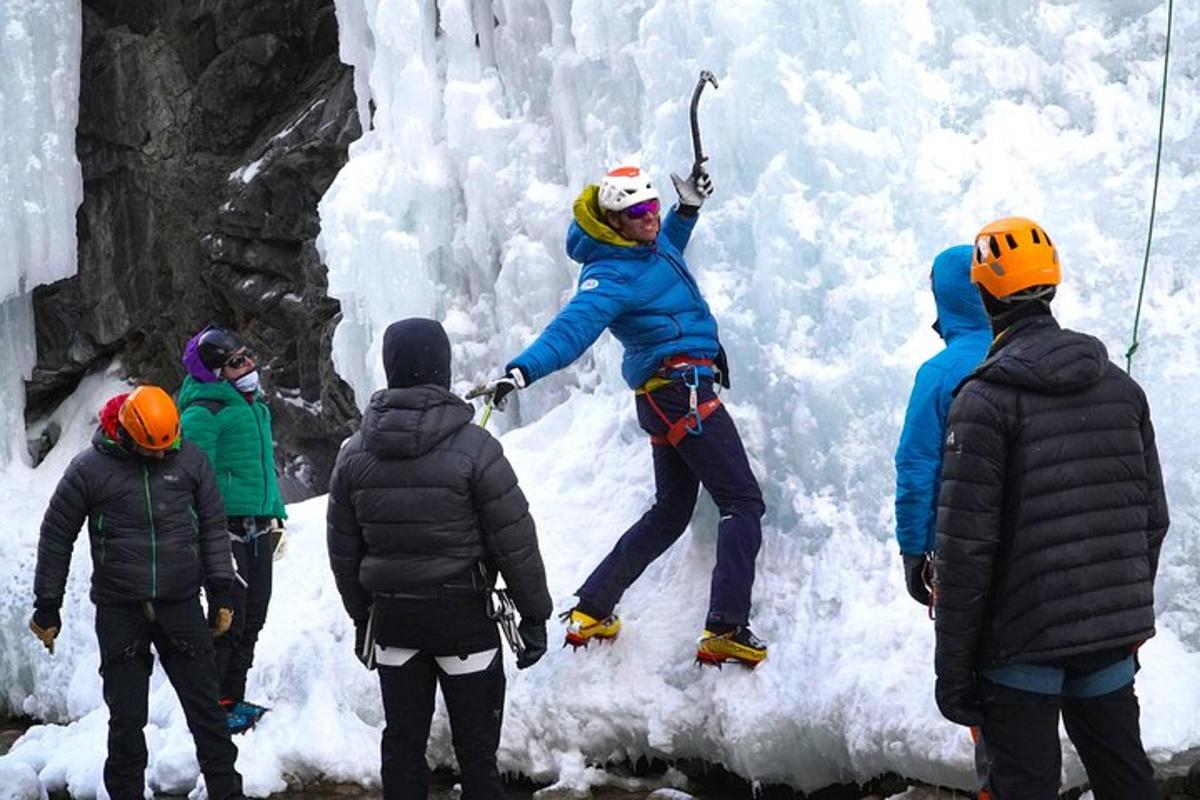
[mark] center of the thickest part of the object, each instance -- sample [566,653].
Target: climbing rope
[1162,115]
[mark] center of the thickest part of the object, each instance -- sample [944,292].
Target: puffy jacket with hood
[643,293]
[157,527]
[419,496]
[235,433]
[1051,512]
[963,324]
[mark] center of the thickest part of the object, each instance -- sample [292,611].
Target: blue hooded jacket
[643,293]
[964,325]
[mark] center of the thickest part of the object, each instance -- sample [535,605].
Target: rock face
[208,131]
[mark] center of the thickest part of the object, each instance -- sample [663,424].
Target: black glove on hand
[499,389]
[533,633]
[914,577]
[957,701]
[46,624]
[721,362]
[360,639]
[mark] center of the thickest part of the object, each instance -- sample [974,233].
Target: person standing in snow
[424,511]
[226,416]
[635,282]
[964,327]
[157,532]
[1050,520]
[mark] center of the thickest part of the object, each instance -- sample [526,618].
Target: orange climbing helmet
[150,418]
[1014,254]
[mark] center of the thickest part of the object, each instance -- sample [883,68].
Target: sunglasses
[240,360]
[643,209]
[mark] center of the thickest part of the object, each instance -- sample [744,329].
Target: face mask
[247,383]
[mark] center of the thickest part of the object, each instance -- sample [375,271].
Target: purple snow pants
[716,459]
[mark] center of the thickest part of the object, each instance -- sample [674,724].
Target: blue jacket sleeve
[603,295]
[919,461]
[678,229]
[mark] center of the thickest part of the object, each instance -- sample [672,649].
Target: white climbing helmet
[624,187]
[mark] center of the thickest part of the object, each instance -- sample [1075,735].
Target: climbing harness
[1162,115]
[688,370]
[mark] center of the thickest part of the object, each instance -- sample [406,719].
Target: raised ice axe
[706,77]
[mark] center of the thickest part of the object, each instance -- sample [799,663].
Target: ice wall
[849,143]
[40,182]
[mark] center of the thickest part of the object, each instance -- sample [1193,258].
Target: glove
[279,540]
[220,608]
[499,389]
[721,363]
[692,191]
[46,624]
[533,633]
[360,641]
[957,701]
[914,577]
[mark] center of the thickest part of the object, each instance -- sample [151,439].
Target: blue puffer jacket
[643,293]
[963,324]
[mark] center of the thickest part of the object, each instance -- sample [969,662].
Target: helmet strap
[1003,312]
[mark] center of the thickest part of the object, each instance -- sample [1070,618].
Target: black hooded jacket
[419,496]
[157,527]
[1051,512]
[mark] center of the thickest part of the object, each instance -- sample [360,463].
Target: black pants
[235,650]
[181,638]
[1020,731]
[716,459]
[475,702]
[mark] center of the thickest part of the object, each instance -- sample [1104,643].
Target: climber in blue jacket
[635,282]
[963,324]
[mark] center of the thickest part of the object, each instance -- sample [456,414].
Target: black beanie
[416,351]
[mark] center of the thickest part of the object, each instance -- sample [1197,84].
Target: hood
[959,307]
[192,361]
[1037,355]
[590,238]
[194,389]
[406,423]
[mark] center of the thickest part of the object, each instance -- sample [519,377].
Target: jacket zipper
[153,537]
[263,452]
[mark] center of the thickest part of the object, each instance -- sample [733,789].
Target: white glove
[692,191]
[281,540]
[499,389]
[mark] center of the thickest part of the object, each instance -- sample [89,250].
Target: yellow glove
[45,625]
[224,618]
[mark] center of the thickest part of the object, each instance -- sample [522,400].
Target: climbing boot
[737,644]
[582,628]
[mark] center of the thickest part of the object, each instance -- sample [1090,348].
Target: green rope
[1162,115]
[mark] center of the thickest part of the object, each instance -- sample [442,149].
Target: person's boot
[582,628]
[736,643]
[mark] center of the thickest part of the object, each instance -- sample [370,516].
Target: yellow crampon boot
[739,644]
[582,628]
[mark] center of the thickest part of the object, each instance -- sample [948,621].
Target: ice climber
[157,532]
[1050,519]
[226,416]
[424,512]
[635,282]
[963,325]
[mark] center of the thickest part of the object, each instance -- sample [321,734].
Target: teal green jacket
[236,436]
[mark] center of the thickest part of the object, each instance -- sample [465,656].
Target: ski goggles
[642,209]
[239,360]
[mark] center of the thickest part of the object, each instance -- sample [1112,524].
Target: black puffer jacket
[1051,512]
[157,528]
[419,496]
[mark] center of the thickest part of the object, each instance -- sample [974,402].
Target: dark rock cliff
[208,131]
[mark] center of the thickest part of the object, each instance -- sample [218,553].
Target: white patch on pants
[467,665]
[393,656]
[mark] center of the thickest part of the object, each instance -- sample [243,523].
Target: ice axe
[706,77]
